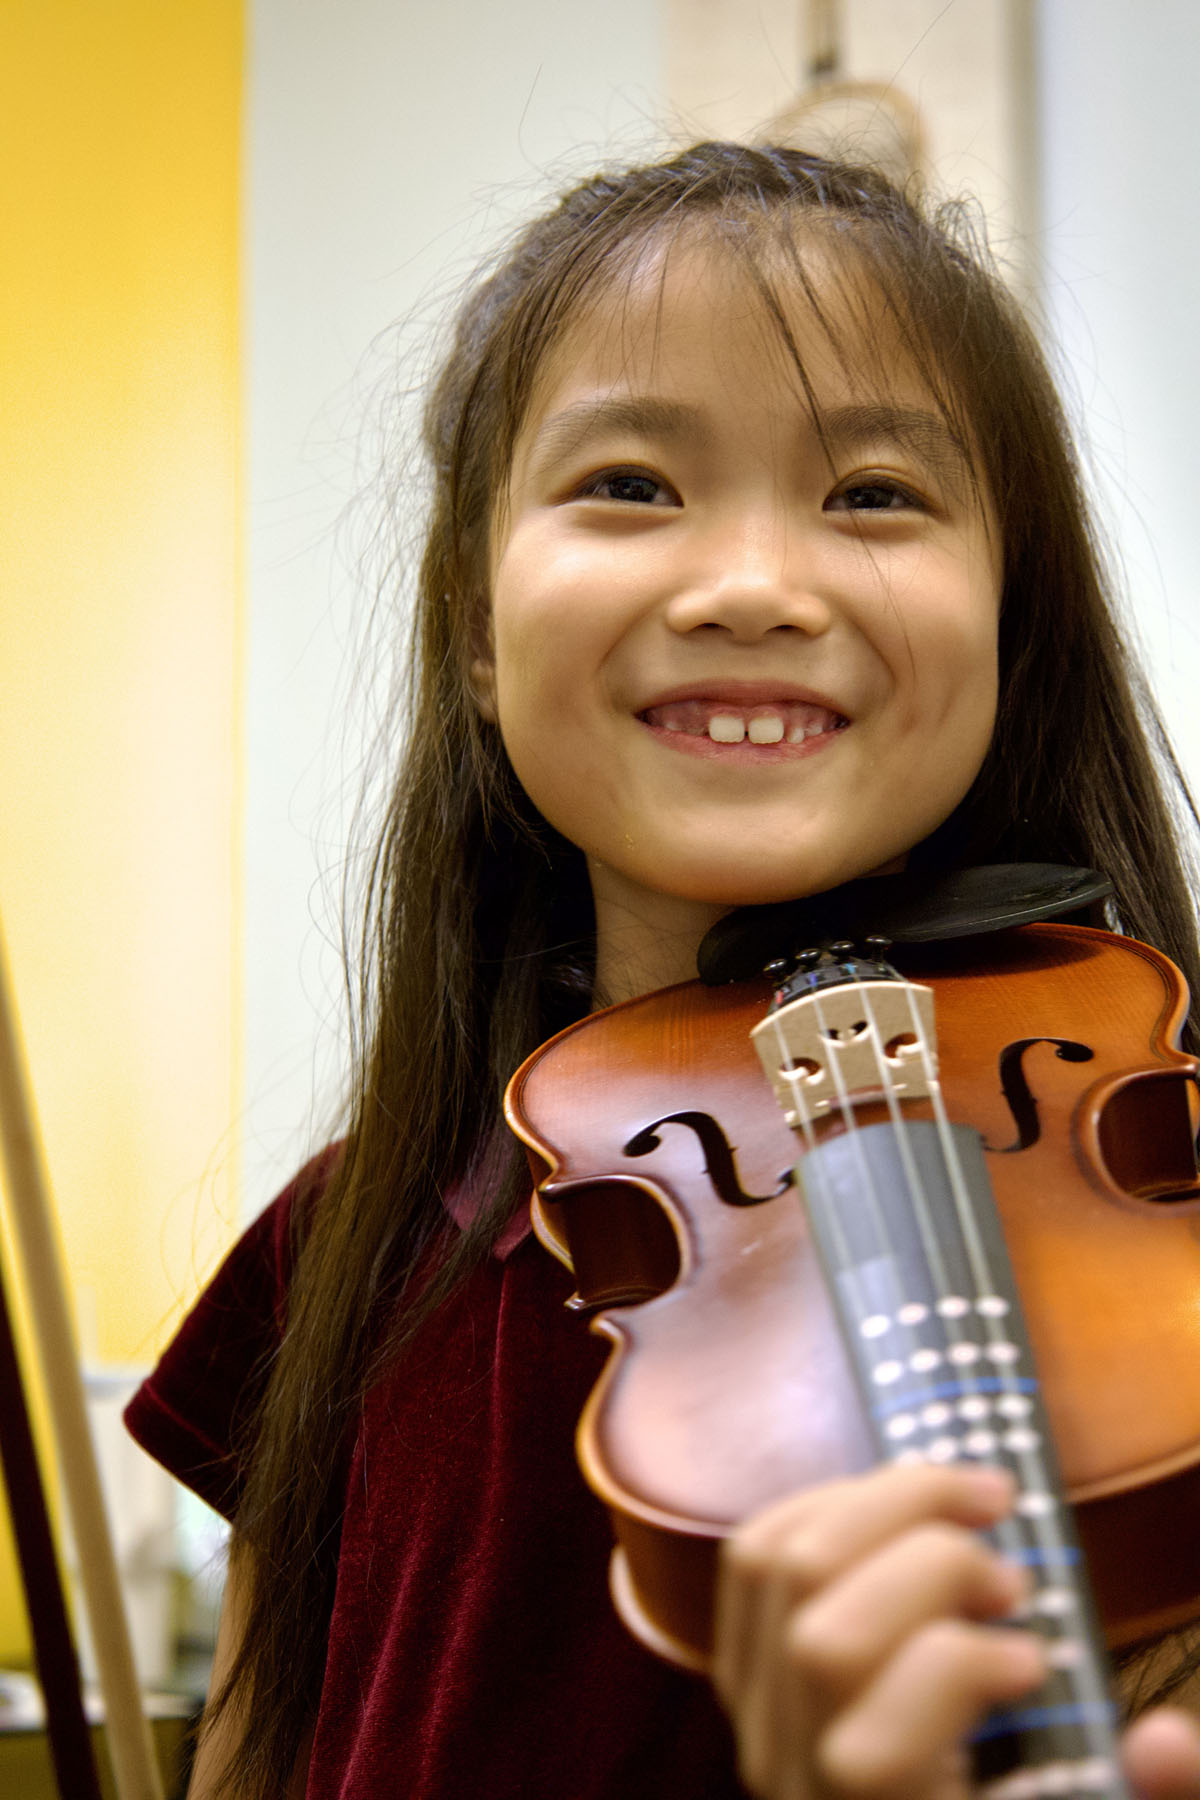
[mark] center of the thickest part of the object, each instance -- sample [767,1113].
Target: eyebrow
[640,414]
[926,433]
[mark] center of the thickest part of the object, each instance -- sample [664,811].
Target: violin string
[951,1326]
[916,1193]
[812,1177]
[966,1377]
[1049,1545]
[982,1275]
[919,1207]
[877,1214]
[800,1108]
[1041,1517]
[980,1268]
[952,1329]
[877,1219]
[885,1248]
[981,1272]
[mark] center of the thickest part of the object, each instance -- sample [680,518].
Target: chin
[734,886]
[735,889]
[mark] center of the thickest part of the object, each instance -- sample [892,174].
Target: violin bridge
[846,1044]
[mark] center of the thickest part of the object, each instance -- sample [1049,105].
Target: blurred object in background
[873,122]
[170,1551]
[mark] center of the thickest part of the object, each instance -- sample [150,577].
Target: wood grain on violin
[664,1167]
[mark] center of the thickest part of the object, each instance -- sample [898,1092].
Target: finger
[805,1541]
[833,1648]
[803,1545]
[1161,1753]
[821,1530]
[894,1740]
[843,1635]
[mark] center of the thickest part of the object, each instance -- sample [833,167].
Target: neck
[644,940]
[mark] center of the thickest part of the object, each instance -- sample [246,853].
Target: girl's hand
[1162,1755]
[854,1644]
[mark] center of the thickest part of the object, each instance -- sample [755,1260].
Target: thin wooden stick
[127,1731]
[53,1646]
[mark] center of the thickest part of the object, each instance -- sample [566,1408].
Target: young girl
[757,563]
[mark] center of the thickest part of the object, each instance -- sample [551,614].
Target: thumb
[1162,1755]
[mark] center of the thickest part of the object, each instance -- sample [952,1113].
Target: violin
[968,1232]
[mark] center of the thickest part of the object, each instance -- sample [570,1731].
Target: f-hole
[1022,1103]
[719,1161]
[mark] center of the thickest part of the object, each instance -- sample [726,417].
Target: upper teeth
[762,724]
[764,728]
[728,728]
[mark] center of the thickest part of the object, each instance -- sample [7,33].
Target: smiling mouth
[788,724]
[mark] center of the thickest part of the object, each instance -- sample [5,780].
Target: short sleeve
[190,1412]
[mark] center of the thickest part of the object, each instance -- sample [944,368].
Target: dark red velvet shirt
[473,1649]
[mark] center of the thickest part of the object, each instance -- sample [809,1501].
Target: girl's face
[730,661]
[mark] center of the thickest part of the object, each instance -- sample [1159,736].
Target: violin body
[663,1167]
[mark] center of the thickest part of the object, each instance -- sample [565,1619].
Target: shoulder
[190,1411]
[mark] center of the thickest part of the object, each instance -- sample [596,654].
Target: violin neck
[914,1256]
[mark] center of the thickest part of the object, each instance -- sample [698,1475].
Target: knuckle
[800,1558]
[808,1560]
[869,1766]
[956,1551]
[828,1655]
[948,1540]
[859,1765]
[950,1643]
[980,1662]
[942,1487]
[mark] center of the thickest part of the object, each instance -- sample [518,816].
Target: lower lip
[746,752]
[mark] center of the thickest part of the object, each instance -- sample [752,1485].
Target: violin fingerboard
[915,1260]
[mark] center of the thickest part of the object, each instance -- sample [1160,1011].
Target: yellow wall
[119,634]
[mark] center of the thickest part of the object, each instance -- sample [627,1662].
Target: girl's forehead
[754,353]
[800,323]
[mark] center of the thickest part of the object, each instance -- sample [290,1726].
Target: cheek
[533,688]
[552,637]
[958,658]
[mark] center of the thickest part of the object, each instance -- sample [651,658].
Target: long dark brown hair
[479,920]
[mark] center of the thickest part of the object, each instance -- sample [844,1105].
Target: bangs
[808,275]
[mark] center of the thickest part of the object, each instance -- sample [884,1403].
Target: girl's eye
[872,496]
[632,486]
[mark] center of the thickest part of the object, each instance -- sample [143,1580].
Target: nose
[752,578]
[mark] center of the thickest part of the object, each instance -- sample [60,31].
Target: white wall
[388,142]
[1121,250]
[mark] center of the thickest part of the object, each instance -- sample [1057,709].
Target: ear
[481,679]
[481,670]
